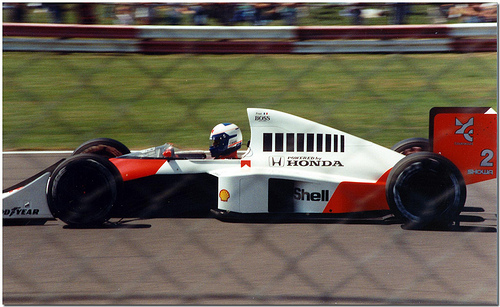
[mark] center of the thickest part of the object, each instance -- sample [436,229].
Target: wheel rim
[103,150]
[412,150]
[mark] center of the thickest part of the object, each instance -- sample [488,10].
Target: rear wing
[467,137]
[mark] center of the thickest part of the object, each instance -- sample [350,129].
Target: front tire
[83,189]
[426,190]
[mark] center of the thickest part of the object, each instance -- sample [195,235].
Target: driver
[226,140]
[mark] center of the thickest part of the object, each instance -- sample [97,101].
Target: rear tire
[105,147]
[83,189]
[426,190]
[413,145]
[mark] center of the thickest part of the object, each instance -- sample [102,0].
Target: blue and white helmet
[226,138]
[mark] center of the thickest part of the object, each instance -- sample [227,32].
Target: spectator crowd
[161,13]
[238,13]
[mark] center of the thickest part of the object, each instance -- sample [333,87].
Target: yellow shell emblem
[224,195]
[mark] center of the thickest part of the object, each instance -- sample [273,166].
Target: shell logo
[224,195]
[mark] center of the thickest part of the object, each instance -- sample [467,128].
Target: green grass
[54,101]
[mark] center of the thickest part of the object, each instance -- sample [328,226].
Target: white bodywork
[328,157]
[316,158]
[28,202]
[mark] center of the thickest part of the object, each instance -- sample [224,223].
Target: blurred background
[250,13]
[58,100]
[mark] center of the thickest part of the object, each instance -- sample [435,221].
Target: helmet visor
[216,142]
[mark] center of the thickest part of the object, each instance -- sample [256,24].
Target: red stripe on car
[131,169]
[358,197]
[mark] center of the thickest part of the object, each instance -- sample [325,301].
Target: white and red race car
[293,168]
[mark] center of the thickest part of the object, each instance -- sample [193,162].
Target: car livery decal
[303,142]
[302,161]
[368,197]
[247,163]
[131,169]
[19,211]
[224,195]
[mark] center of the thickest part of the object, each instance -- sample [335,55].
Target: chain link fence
[57,101]
[204,261]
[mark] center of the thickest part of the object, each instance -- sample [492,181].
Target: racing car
[292,167]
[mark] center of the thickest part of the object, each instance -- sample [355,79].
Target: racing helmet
[226,138]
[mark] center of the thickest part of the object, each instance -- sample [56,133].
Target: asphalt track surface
[206,261]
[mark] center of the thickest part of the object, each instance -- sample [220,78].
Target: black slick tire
[83,189]
[426,190]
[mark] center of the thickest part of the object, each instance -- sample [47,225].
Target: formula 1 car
[293,167]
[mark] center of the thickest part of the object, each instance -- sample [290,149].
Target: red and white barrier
[218,39]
